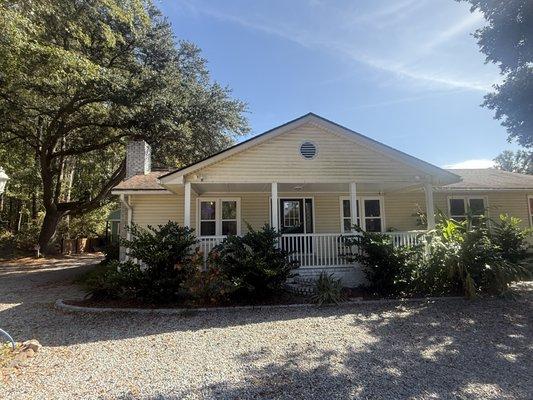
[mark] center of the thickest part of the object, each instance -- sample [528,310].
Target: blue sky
[404,72]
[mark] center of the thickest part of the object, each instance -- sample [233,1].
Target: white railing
[207,243]
[318,249]
[313,250]
[400,239]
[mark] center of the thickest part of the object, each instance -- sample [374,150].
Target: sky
[407,73]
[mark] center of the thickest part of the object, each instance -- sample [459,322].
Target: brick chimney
[138,158]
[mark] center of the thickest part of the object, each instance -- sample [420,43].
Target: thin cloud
[471,164]
[313,40]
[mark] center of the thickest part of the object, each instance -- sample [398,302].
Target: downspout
[128,217]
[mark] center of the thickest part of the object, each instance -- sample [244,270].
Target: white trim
[422,166]
[530,209]
[430,206]
[466,201]
[273,207]
[187,205]
[362,216]
[141,191]
[218,214]
[297,197]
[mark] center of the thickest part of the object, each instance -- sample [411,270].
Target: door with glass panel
[296,216]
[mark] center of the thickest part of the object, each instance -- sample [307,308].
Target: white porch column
[353,203]
[274,206]
[187,205]
[430,207]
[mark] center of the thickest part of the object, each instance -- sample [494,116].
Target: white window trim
[218,214]
[290,198]
[529,210]
[466,201]
[361,209]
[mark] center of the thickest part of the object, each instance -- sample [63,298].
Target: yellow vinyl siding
[279,160]
[400,208]
[156,209]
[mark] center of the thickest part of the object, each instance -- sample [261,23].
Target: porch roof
[472,179]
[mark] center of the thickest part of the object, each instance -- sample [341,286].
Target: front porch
[314,218]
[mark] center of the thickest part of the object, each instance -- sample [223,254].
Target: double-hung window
[369,214]
[346,217]
[462,206]
[218,216]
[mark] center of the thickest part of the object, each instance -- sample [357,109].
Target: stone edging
[61,305]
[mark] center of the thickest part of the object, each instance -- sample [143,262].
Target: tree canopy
[507,40]
[79,78]
[520,161]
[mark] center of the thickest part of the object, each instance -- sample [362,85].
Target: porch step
[300,285]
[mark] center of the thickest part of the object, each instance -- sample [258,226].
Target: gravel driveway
[439,350]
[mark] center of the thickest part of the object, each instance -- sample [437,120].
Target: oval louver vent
[308,150]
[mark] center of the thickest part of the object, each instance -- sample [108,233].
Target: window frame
[530,209]
[361,211]
[218,214]
[297,197]
[466,202]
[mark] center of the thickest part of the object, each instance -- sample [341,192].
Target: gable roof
[430,169]
[490,179]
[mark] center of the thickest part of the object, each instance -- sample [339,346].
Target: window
[229,217]
[347,214]
[208,222]
[219,217]
[460,207]
[369,214]
[372,214]
[530,199]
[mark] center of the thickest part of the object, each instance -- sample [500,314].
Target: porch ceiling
[296,187]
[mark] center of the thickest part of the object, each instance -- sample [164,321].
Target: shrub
[457,257]
[327,290]
[113,280]
[252,266]
[169,258]
[112,250]
[510,238]
[387,268]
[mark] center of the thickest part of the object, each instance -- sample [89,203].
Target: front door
[292,215]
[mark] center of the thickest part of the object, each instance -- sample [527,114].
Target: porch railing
[313,250]
[410,238]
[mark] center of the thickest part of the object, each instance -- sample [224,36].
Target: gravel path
[455,349]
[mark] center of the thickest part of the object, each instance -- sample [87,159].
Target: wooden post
[274,206]
[353,204]
[430,207]
[187,205]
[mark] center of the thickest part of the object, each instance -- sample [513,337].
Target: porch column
[353,203]
[187,205]
[430,207]
[274,206]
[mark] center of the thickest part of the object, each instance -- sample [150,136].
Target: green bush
[252,266]
[387,268]
[327,290]
[168,255]
[457,257]
[114,280]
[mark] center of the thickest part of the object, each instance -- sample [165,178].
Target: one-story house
[313,179]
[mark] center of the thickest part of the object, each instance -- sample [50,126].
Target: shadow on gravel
[446,349]
[481,350]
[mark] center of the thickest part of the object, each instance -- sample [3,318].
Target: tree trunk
[48,229]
